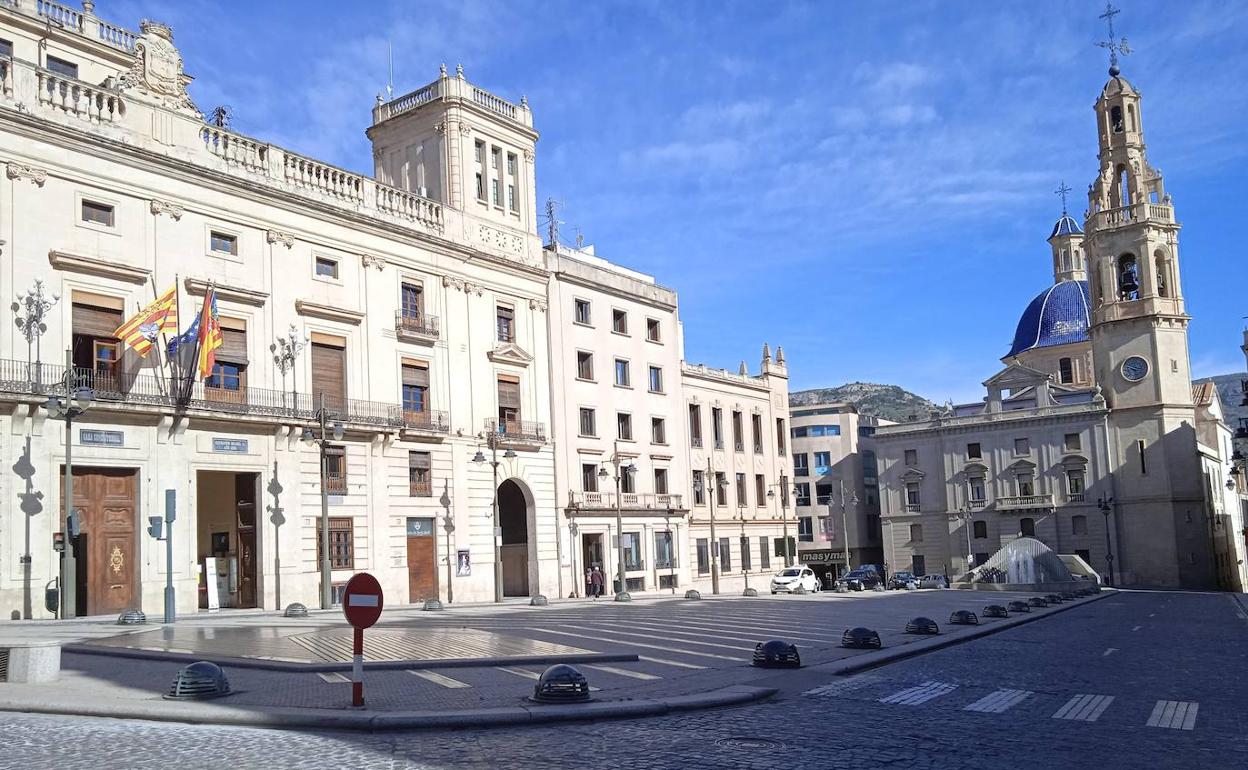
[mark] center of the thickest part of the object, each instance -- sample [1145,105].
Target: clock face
[1134,368]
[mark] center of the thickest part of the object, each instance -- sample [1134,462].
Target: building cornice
[990,421]
[81,263]
[328,312]
[198,287]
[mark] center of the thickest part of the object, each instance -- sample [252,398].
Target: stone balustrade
[1025,501]
[73,96]
[58,14]
[82,22]
[407,205]
[406,102]
[494,103]
[1108,219]
[118,37]
[236,149]
[323,178]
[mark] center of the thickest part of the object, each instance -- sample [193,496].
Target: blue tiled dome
[1059,315]
[1066,226]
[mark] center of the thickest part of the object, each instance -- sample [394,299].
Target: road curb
[889,655]
[328,666]
[220,713]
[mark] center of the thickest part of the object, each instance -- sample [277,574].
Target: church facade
[1092,438]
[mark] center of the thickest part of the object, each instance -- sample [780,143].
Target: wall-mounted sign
[419,527]
[231,445]
[463,563]
[101,437]
[821,557]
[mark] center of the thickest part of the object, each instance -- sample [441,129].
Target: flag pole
[189,382]
[151,280]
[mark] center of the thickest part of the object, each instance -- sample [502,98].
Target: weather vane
[1063,191]
[1115,47]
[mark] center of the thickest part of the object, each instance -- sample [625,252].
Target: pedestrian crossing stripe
[999,702]
[651,636]
[1084,708]
[333,677]
[914,696]
[666,662]
[1174,714]
[635,644]
[438,679]
[623,672]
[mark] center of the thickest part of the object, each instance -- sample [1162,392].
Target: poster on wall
[463,563]
[210,578]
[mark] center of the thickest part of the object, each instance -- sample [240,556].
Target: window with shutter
[419,474]
[329,374]
[415,386]
[96,351]
[509,403]
[506,323]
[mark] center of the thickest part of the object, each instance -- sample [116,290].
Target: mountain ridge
[889,402]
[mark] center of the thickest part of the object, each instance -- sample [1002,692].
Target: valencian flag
[141,331]
[209,334]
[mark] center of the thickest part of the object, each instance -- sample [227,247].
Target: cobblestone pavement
[1001,701]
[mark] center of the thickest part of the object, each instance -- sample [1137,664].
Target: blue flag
[185,338]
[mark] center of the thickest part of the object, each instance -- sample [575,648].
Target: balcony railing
[409,323]
[912,507]
[630,500]
[420,488]
[335,483]
[147,389]
[518,430]
[428,420]
[1126,215]
[1075,497]
[1025,501]
[975,505]
[695,442]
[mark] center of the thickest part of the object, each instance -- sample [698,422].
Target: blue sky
[868,184]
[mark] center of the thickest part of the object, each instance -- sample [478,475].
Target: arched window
[1027,527]
[1130,117]
[1162,271]
[981,529]
[1065,260]
[1066,371]
[1128,278]
[1115,119]
[1124,187]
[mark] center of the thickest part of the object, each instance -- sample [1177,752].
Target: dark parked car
[860,579]
[903,580]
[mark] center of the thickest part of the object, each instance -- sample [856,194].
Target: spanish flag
[142,329]
[209,334]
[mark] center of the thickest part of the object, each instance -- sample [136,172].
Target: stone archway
[515,519]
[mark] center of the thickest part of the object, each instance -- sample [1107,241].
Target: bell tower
[1140,351]
[1066,241]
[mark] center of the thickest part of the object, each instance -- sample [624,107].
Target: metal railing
[975,505]
[419,324]
[517,430]
[695,442]
[912,507]
[422,488]
[335,484]
[1025,501]
[428,420]
[606,500]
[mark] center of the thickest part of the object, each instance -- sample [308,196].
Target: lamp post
[76,401]
[784,516]
[671,554]
[845,522]
[493,440]
[965,515]
[448,525]
[326,427]
[286,350]
[745,547]
[578,576]
[1104,504]
[621,595]
[711,491]
[278,517]
[30,308]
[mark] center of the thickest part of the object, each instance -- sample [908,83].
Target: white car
[789,578]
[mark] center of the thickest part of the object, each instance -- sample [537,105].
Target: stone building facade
[414,309]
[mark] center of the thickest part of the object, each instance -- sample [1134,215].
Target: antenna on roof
[552,223]
[390,60]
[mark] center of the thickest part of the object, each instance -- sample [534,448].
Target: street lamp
[30,309]
[1104,504]
[326,427]
[784,517]
[621,595]
[845,523]
[711,492]
[286,350]
[76,401]
[745,546]
[965,515]
[493,440]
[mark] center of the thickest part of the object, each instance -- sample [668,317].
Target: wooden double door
[422,560]
[107,550]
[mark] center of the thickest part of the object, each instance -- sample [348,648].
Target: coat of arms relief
[157,70]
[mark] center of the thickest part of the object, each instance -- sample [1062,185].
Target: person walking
[596,579]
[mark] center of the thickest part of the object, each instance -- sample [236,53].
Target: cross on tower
[1063,191]
[1115,47]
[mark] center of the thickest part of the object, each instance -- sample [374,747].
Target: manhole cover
[753,744]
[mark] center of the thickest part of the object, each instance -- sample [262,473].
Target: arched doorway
[513,519]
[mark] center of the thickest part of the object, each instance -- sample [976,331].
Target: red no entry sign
[361,600]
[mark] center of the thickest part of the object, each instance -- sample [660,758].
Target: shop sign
[821,557]
[101,437]
[236,446]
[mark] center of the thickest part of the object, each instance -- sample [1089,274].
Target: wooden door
[329,376]
[245,497]
[422,568]
[108,547]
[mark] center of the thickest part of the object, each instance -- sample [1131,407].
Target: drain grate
[749,744]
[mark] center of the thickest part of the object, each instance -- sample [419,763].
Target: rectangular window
[742,493]
[589,477]
[658,430]
[800,466]
[6,47]
[1071,442]
[695,425]
[62,67]
[764,553]
[506,323]
[1022,446]
[326,267]
[581,311]
[628,482]
[624,426]
[652,330]
[511,197]
[704,557]
[1139,448]
[717,427]
[1066,371]
[588,426]
[496,184]
[223,243]
[1026,486]
[912,497]
[760,490]
[745,554]
[738,432]
[725,555]
[823,494]
[412,301]
[1079,525]
[656,380]
[584,365]
[756,432]
[660,481]
[336,470]
[721,489]
[873,527]
[784,491]
[974,452]
[912,457]
[1074,483]
[341,543]
[801,432]
[802,489]
[225,376]
[781,437]
[619,322]
[508,403]
[98,213]
[805,529]
[621,373]
[664,550]
[916,533]
[630,543]
[415,384]
[699,488]
[419,474]
[980,529]
[823,463]
[976,488]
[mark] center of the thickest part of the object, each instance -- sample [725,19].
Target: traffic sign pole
[362,602]
[357,669]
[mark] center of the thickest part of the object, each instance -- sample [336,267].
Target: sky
[868,184]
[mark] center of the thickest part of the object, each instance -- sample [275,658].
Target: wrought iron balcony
[518,430]
[409,324]
[430,421]
[695,442]
[1025,501]
[335,484]
[628,500]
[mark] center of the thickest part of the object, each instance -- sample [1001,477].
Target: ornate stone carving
[450,282]
[500,240]
[465,129]
[538,305]
[473,288]
[156,71]
[165,207]
[35,175]
[277,236]
[529,155]
[368,260]
[440,126]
